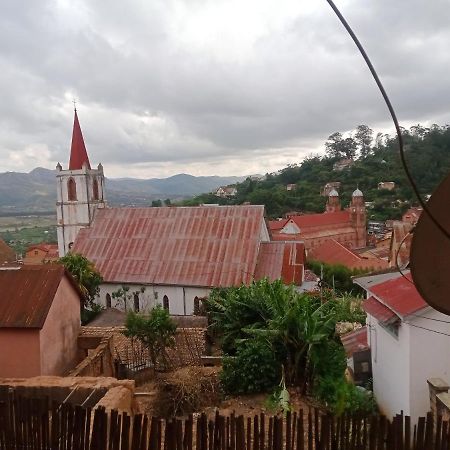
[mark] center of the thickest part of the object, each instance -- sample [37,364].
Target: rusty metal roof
[191,246]
[376,309]
[27,294]
[281,260]
[355,341]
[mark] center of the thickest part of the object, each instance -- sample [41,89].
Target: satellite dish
[430,251]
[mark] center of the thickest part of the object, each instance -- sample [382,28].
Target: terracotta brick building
[346,226]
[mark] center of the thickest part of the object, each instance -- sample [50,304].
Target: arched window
[136,302]
[108,301]
[166,302]
[196,306]
[71,190]
[95,189]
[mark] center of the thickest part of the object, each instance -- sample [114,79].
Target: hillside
[375,160]
[36,191]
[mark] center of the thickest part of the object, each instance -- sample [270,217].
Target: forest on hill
[376,159]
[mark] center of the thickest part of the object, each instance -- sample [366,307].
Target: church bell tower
[80,191]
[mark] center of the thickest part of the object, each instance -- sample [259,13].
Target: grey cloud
[146,97]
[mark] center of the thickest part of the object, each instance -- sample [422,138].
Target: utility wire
[428,329]
[394,118]
[397,265]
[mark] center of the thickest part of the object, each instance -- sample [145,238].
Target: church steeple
[80,192]
[78,153]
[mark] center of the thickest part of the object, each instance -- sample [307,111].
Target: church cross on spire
[78,153]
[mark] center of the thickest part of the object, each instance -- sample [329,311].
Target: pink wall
[58,337]
[19,352]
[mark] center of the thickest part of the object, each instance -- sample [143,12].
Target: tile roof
[50,249]
[400,295]
[355,341]
[28,293]
[281,260]
[321,219]
[332,252]
[376,309]
[192,246]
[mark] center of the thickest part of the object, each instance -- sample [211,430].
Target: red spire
[78,153]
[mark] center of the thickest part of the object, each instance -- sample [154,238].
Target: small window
[36,252]
[166,302]
[71,190]
[108,301]
[136,302]
[95,189]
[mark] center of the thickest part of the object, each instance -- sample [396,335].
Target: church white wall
[74,215]
[181,298]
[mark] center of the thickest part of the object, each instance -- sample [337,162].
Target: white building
[170,256]
[406,342]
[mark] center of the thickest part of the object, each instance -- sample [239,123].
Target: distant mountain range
[35,191]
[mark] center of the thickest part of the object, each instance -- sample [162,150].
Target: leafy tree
[123,295]
[156,331]
[85,274]
[156,203]
[364,138]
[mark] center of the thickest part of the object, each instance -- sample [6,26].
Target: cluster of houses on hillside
[174,256]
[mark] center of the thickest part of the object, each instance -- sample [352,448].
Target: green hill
[375,160]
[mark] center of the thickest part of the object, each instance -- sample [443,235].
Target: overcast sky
[226,87]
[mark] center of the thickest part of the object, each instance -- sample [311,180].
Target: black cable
[428,329]
[397,265]
[393,115]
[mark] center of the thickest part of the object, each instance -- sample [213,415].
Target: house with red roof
[332,252]
[408,340]
[41,253]
[169,256]
[39,321]
[346,226]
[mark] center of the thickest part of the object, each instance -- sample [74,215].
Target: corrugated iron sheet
[400,295]
[376,309]
[27,293]
[281,260]
[188,246]
[355,341]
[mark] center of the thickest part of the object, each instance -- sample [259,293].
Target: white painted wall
[390,367]
[429,357]
[73,215]
[181,299]
[402,366]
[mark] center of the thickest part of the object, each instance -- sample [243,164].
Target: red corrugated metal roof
[78,153]
[313,220]
[376,309]
[281,260]
[27,294]
[332,252]
[355,341]
[190,246]
[400,295]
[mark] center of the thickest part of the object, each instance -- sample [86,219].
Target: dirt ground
[240,405]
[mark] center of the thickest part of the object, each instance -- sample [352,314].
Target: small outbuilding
[39,321]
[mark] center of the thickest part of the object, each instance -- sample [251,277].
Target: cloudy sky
[227,87]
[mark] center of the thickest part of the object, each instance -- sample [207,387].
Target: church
[171,256]
[346,226]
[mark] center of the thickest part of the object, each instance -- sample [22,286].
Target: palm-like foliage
[297,326]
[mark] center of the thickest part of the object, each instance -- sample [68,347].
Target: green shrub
[254,369]
[343,397]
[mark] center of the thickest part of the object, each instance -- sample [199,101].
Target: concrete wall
[181,299]
[19,353]
[390,368]
[58,337]
[428,358]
